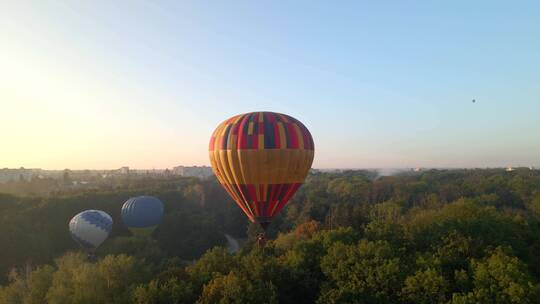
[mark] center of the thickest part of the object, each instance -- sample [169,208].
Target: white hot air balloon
[90,228]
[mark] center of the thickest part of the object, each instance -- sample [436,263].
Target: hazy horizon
[315,168]
[95,85]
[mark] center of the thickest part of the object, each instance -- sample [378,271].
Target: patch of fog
[390,171]
[372,173]
[232,244]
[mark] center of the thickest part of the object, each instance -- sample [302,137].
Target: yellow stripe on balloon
[237,119]
[270,166]
[299,136]
[261,142]
[282,136]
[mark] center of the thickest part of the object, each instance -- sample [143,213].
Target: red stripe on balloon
[211,145]
[291,189]
[293,138]
[277,137]
[242,133]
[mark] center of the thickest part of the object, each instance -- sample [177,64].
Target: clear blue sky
[102,84]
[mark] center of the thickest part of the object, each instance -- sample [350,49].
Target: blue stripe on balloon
[95,218]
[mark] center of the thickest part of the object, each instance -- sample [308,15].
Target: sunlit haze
[104,84]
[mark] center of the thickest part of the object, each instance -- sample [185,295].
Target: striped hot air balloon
[261,159]
[142,214]
[90,228]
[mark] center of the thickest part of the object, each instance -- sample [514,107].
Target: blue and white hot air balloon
[90,228]
[142,214]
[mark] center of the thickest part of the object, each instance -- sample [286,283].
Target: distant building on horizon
[8,175]
[509,169]
[202,172]
[123,170]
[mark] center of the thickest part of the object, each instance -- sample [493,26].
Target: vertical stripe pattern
[261,159]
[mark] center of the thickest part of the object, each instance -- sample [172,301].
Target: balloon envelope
[261,159]
[90,228]
[142,212]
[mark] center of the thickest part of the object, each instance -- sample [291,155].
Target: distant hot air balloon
[90,228]
[142,214]
[261,159]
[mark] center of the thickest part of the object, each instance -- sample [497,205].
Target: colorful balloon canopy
[261,159]
[90,228]
[142,212]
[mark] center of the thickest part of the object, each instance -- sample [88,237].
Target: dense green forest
[439,236]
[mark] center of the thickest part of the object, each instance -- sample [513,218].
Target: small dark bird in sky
[474,100]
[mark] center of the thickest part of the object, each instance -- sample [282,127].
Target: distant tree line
[441,236]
